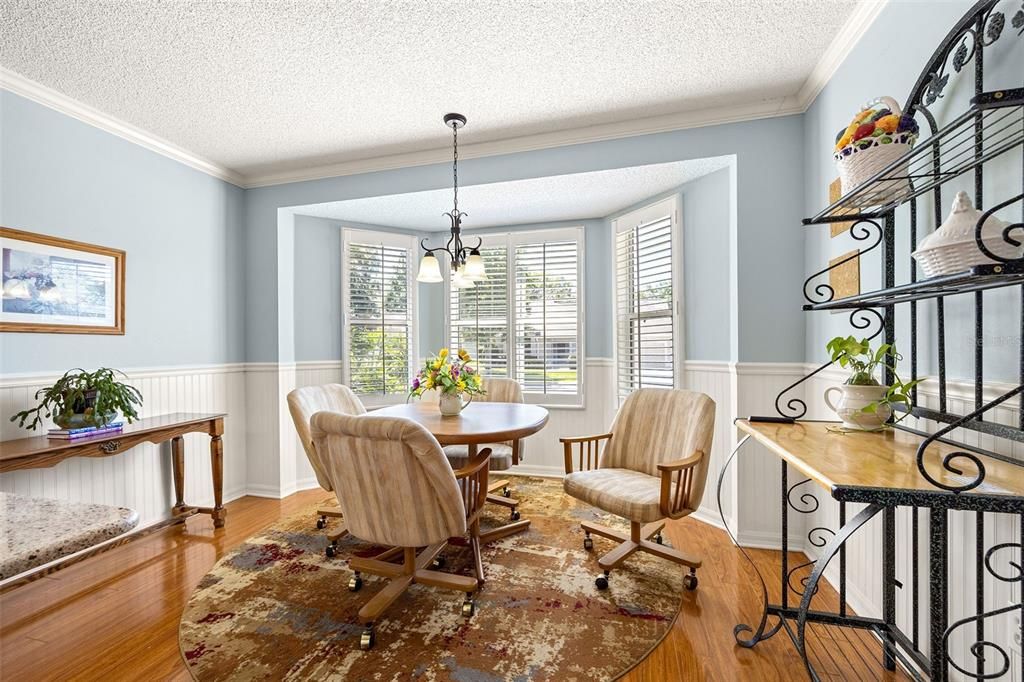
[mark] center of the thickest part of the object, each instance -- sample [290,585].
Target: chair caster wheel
[659,539]
[321,523]
[602,582]
[588,543]
[468,608]
[506,492]
[438,562]
[366,639]
[515,515]
[355,583]
[690,582]
[332,550]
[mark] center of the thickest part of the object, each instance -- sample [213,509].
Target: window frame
[670,207]
[393,240]
[511,240]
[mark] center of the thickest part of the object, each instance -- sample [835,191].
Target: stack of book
[85,431]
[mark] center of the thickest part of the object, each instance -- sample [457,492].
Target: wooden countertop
[880,460]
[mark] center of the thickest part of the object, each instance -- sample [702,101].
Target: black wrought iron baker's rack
[989,132]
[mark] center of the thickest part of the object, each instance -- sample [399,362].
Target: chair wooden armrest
[589,445]
[472,480]
[676,503]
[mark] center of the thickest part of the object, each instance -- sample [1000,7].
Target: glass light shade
[475,271]
[459,279]
[430,270]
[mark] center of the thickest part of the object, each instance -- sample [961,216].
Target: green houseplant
[82,399]
[865,404]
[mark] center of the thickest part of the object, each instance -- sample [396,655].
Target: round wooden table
[480,423]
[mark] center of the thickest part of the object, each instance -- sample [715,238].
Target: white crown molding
[858,23]
[49,97]
[785,106]
[852,31]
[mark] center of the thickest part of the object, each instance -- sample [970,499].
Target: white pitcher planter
[853,399]
[451,404]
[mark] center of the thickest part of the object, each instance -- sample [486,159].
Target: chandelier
[467,265]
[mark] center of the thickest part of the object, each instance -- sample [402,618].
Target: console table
[42,452]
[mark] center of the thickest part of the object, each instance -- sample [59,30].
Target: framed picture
[59,286]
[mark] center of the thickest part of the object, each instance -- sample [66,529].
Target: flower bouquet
[453,377]
[874,139]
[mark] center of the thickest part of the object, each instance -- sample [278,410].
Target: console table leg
[178,466]
[217,464]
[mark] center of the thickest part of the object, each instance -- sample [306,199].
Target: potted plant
[864,403]
[82,399]
[454,377]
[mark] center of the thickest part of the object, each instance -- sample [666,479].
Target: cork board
[845,279]
[835,192]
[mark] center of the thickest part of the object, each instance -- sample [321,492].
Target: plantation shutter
[479,316]
[645,305]
[379,319]
[547,315]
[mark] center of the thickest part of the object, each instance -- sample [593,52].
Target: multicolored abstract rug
[277,608]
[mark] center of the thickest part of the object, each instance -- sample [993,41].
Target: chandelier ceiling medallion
[467,265]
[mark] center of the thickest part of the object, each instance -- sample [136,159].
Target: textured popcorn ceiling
[540,200]
[262,86]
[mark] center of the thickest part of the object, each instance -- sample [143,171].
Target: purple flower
[415,383]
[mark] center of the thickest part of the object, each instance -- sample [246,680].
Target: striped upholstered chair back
[304,402]
[393,482]
[656,425]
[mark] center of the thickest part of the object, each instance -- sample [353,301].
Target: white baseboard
[534,470]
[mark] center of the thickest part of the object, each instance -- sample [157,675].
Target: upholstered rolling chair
[503,455]
[396,488]
[303,403]
[653,467]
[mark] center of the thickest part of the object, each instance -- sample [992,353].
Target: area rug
[277,608]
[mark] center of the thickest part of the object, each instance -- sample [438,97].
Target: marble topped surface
[35,531]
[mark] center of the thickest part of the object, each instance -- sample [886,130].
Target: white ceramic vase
[851,402]
[451,404]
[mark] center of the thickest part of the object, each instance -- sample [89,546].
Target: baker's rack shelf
[993,125]
[978,278]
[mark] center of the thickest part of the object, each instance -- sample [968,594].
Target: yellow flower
[461,386]
[428,383]
[436,365]
[463,355]
[443,353]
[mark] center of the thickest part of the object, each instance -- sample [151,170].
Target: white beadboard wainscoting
[141,478]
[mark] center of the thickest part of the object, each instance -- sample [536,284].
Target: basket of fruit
[876,137]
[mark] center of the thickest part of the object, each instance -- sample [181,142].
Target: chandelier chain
[455,165]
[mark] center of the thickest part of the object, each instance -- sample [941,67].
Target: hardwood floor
[115,616]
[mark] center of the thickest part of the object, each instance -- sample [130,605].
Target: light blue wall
[317,294]
[769,200]
[706,248]
[894,64]
[181,229]
[706,265]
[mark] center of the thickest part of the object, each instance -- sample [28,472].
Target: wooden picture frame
[52,285]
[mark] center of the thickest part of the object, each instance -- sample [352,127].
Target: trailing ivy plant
[94,395]
[862,361]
